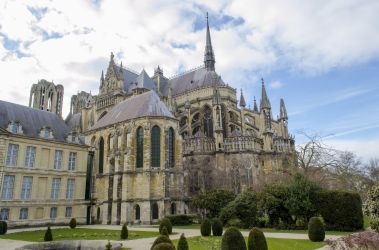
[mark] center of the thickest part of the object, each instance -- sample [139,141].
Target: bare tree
[373,169]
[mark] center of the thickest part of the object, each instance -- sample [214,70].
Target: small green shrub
[181,219]
[217,227]
[164,246]
[108,246]
[124,232]
[257,240]
[233,240]
[72,223]
[316,230]
[3,227]
[374,224]
[160,239]
[206,227]
[48,235]
[165,223]
[182,244]
[164,231]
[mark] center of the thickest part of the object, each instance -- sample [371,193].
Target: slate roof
[194,79]
[74,121]
[146,104]
[32,120]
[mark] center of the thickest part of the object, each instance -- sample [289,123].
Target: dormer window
[14,127]
[46,133]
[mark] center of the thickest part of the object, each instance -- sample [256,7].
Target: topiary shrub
[341,210]
[164,246]
[182,243]
[217,227]
[165,223]
[160,239]
[316,231]
[374,224]
[108,246]
[206,227]
[48,235]
[257,240]
[124,232]
[3,227]
[164,231]
[72,223]
[233,240]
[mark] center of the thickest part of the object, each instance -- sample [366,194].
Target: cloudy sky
[321,56]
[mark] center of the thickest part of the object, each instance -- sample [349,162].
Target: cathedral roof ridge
[186,72]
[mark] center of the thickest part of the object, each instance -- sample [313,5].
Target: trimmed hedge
[206,227]
[181,219]
[48,235]
[257,240]
[182,244]
[165,222]
[164,231]
[316,231]
[72,223]
[233,240]
[217,227]
[124,232]
[341,210]
[161,239]
[164,246]
[3,227]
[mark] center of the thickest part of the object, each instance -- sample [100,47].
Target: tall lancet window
[171,147]
[155,147]
[139,162]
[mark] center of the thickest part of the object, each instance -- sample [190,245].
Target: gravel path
[145,243]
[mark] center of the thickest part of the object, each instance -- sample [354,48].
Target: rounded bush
[217,227]
[233,240]
[3,227]
[182,244]
[164,246]
[164,231]
[257,240]
[316,230]
[124,232]
[161,239]
[206,227]
[108,246]
[48,235]
[165,223]
[72,223]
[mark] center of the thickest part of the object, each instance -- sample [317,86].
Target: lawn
[77,234]
[213,243]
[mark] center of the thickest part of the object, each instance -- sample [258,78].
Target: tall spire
[242,100]
[265,102]
[283,110]
[209,57]
[255,105]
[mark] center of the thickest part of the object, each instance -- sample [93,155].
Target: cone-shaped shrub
[72,223]
[164,231]
[108,246]
[48,235]
[257,240]
[124,232]
[206,227]
[233,240]
[161,239]
[164,246]
[216,227]
[316,230]
[182,244]
[3,227]
[165,223]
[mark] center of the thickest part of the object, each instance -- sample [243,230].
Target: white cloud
[365,149]
[276,85]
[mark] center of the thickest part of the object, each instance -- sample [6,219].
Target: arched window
[154,211]
[171,147]
[137,212]
[207,121]
[155,147]
[139,161]
[101,155]
[173,208]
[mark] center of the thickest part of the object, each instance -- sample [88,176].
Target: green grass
[213,243]
[77,234]
[366,221]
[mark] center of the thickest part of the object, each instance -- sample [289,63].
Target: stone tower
[47,96]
